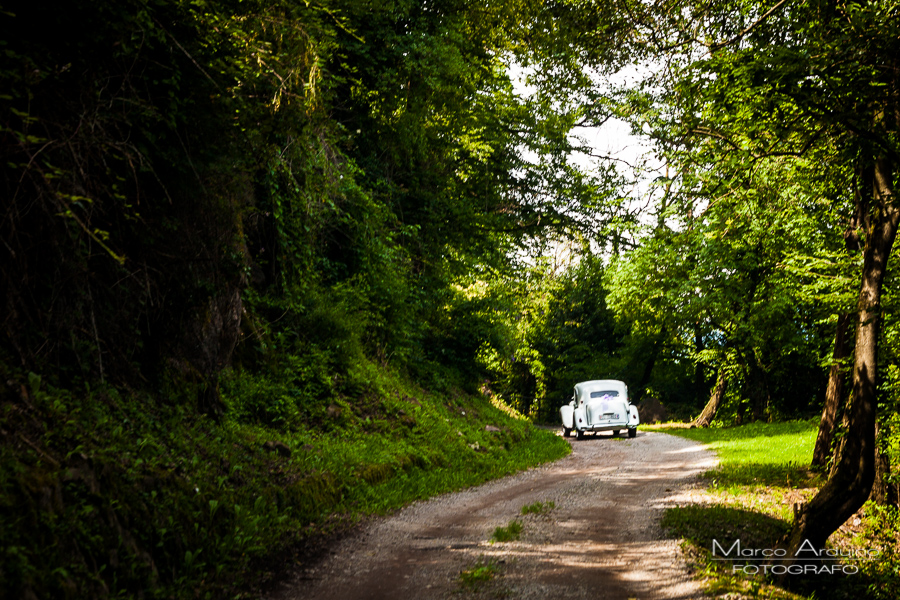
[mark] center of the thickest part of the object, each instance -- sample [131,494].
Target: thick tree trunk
[208,344]
[833,393]
[851,482]
[715,401]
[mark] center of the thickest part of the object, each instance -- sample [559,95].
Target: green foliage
[261,212]
[510,533]
[719,291]
[667,315]
[328,169]
[889,400]
[538,508]
[134,503]
[562,333]
[274,213]
[132,494]
[754,485]
[881,577]
[479,574]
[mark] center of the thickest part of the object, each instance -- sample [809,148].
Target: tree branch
[748,29]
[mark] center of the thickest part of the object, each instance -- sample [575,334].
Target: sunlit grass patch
[757,443]
[763,472]
[763,464]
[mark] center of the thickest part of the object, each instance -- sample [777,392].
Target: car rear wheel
[615,432]
[579,434]
[632,432]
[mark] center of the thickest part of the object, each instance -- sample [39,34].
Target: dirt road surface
[601,540]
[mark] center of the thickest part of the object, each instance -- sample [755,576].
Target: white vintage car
[601,405]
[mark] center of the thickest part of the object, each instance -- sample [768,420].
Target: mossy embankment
[106,492]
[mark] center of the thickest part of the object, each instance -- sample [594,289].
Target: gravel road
[602,539]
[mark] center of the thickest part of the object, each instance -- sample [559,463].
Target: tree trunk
[853,243]
[851,482]
[641,388]
[699,372]
[839,447]
[833,393]
[742,406]
[758,390]
[882,492]
[715,401]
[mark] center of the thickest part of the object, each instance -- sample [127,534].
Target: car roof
[586,387]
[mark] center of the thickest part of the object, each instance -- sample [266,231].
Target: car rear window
[610,393]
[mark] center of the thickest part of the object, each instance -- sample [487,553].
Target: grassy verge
[119,494]
[762,474]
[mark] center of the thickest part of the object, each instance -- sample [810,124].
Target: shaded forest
[283,237]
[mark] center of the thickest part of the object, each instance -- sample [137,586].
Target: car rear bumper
[605,426]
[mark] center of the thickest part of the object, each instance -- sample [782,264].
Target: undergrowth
[116,493]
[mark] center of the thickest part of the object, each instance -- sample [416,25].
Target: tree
[755,81]
[717,280]
[321,172]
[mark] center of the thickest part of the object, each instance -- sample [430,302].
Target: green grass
[763,471]
[510,533]
[538,508]
[116,490]
[481,573]
[759,464]
[757,443]
[763,468]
